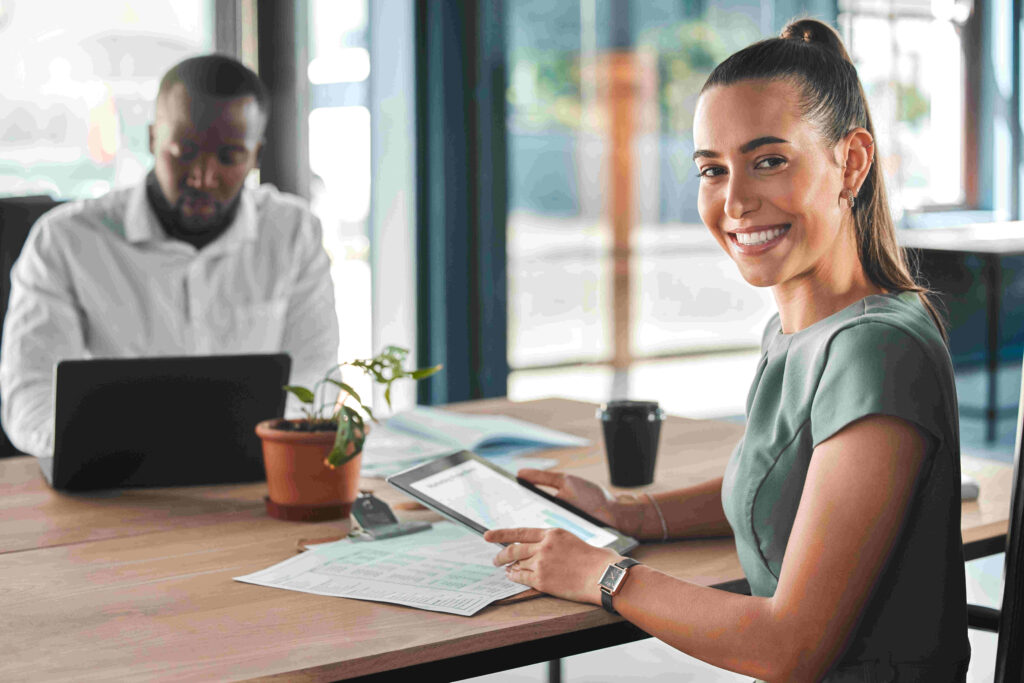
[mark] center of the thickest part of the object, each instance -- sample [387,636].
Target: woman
[843,495]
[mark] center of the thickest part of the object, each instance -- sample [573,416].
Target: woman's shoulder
[875,325]
[888,359]
[875,346]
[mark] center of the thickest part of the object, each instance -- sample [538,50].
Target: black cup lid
[646,409]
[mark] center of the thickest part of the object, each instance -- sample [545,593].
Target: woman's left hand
[553,561]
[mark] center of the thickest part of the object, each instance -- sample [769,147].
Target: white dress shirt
[100,279]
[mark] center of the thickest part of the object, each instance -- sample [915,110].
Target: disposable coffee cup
[631,431]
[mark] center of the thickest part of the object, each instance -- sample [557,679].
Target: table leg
[555,671]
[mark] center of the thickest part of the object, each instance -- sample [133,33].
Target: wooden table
[137,584]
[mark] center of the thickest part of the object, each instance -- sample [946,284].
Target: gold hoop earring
[851,198]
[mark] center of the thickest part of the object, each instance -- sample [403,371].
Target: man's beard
[197,230]
[199,223]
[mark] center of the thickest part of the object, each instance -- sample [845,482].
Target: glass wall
[339,157]
[608,261]
[911,61]
[78,85]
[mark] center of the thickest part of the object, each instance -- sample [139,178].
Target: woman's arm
[853,506]
[689,512]
[692,512]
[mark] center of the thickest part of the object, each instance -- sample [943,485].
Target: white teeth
[757,238]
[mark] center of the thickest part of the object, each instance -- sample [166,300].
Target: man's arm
[43,326]
[311,324]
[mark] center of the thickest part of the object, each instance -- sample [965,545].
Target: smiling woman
[778,203]
[843,495]
[825,170]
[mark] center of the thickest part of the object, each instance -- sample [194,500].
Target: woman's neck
[827,288]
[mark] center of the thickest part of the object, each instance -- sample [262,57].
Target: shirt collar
[142,224]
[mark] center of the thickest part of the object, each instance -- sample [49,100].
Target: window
[339,157]
[608,261]
[78,85]
[910,57]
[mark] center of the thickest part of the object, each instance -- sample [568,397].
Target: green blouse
[880,355]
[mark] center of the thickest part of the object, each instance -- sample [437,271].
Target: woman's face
[770,188]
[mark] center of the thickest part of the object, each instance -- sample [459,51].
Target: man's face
[204,148]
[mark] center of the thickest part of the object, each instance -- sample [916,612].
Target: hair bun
[817,33]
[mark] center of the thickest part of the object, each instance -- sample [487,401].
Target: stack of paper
[423,433]
[446,569]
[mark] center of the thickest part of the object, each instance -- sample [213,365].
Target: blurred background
[506,185]
[611,285]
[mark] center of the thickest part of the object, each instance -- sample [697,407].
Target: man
[189,262]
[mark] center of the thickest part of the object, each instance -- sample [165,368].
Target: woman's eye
[710,172]
[770,163]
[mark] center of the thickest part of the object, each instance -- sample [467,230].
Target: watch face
[612,577]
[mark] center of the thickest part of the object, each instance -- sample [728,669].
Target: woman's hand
[553,561]
[624,514]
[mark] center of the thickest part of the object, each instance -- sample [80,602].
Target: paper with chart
[496,502]
[446,569]
[422,434]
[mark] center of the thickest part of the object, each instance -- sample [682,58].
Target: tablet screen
[494,501]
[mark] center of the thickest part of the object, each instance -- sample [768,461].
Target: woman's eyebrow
[757,142]
[744,148]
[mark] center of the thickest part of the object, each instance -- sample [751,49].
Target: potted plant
[312,463]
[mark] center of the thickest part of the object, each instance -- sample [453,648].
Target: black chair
[1008,620]
[17,215]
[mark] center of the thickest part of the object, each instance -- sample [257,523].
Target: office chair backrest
[17,215]
[1010,650]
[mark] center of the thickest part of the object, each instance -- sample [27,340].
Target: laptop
[165,421]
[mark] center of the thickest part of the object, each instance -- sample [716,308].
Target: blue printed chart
[477,492]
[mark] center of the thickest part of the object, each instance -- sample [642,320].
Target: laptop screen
[170,421]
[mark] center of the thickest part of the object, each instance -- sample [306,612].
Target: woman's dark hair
[811,55]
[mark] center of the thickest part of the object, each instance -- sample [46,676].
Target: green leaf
[342,438]
[303,394]
[354,417]
[351,431]
[385,368]
[347,389]
[425,372]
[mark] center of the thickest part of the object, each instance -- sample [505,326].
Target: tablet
[480,495]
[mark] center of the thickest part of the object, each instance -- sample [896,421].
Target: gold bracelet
[661,517]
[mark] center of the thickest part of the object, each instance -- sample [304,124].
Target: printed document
[445,569]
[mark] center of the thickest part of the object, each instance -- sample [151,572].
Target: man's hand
[553,561]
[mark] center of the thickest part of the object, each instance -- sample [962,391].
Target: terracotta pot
[301,486]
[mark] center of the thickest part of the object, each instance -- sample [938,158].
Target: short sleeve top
[880,355]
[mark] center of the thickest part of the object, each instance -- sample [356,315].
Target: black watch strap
[606,596]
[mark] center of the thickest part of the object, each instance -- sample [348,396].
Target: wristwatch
[612,579]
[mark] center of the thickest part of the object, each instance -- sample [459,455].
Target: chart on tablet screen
[496,502]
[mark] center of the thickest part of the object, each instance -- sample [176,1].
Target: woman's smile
[758,239]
